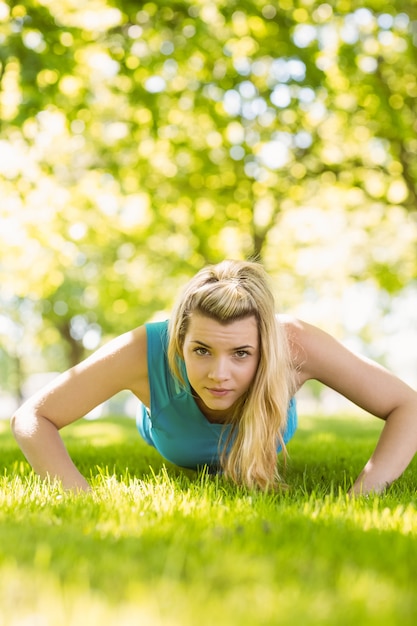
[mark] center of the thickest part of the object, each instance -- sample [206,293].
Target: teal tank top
[174,424]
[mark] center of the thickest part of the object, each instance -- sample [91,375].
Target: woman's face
[221,359]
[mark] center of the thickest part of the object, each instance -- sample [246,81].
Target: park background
[140,141]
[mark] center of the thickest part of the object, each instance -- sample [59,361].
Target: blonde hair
[230,291]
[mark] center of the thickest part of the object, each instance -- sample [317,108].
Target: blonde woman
[216,386]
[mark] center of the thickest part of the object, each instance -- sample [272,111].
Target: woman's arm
[369,386]
[121,364]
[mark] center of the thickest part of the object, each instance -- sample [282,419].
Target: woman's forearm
[44,449]
[396,448]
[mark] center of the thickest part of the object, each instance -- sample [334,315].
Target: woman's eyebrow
[205,345]
[201,343]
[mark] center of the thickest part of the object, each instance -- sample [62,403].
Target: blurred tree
[140,141]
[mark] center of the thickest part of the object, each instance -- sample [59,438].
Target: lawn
[165,546]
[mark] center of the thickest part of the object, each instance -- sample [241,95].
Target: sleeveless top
[174,425]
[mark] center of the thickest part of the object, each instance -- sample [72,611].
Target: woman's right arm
[120,364]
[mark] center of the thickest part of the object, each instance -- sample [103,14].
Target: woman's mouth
[218,392]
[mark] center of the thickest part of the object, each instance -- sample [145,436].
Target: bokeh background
[140,141]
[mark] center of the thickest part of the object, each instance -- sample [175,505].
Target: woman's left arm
[371,387]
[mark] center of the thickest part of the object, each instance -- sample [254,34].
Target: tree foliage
[142,140]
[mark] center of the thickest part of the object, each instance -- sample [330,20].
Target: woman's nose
[219,370]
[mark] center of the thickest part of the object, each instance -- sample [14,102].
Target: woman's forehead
[238,332]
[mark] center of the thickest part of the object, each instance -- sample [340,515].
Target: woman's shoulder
[289,322]
[295,332]
[156,339]
[312,350]
[157,329]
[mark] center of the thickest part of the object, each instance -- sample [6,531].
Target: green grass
[179,548]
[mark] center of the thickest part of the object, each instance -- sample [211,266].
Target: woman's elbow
[23,424]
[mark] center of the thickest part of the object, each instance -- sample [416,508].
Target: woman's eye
[201,351]
[241,354]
